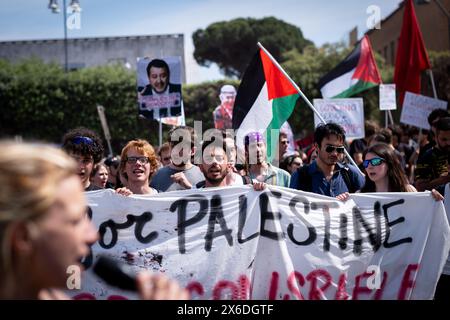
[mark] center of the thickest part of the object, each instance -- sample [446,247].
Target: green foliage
[200,100]
[231,44]
[307,67]
[440,61]
[41,102]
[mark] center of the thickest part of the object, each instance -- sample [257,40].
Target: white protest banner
[416,109]
[349,113]
[236,243]
[387,97]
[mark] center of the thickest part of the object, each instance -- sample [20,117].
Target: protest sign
[159,87]
[387,97]
[416,109]
[349,113]
[236,243]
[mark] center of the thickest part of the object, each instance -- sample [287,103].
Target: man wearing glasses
[86,147]
[326,175]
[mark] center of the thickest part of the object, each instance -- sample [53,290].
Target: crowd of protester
[394,159]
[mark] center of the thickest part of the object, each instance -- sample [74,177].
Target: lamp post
[75,5]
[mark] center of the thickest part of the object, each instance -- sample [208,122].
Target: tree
[231,44]
[307,67]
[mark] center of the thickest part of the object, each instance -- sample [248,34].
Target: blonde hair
[144,148]
[29,178]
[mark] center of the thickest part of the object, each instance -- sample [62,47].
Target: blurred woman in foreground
[44,228]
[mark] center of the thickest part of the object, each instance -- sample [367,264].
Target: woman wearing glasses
[137,166]
[384,173]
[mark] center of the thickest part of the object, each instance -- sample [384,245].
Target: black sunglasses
[330,149]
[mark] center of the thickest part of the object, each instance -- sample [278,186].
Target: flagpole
[430,73]
[304,98]
[390,117]
[385,119]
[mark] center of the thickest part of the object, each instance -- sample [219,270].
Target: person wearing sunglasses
[86,148]
[385,173]
[137,166]
[326,175]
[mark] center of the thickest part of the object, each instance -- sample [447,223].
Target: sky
[322,21]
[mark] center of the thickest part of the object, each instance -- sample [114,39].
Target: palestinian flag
[358,72]
[264,101]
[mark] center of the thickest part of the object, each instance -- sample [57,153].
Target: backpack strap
[304,178]
[346,172]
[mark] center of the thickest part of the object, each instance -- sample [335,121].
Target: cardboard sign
[349,113]
[159,87]
[387,97]
[416,109]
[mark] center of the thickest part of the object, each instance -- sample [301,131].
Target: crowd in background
[393,159]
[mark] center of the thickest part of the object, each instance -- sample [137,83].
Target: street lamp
[75,5]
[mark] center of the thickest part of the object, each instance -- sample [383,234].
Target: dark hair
[443,124]
[164,147]
[282,134]
[370,128]
[83,141]
[398,181]
[384,136]
[435,114]
[112,161]
[287,161]
[158,63]
[219,144]
[174,140]
[325,130]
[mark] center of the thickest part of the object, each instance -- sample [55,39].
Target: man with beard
[217,165]
[86,147]
[326,175]
[180,174]
[258,168]
[432,167]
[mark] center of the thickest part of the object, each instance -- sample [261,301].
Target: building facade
[434,20]
[90,52]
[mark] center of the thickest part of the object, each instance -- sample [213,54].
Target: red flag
[412,57]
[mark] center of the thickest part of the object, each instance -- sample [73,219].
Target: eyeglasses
[330,149]
[80,140]
[374,162]
[141,160]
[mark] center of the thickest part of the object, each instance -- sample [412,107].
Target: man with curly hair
[86,147]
